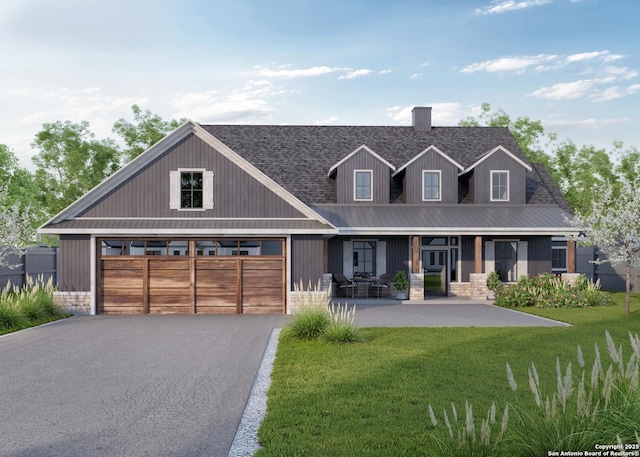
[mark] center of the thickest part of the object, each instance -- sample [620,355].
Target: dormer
[362,177]
[498,177]
[430,177]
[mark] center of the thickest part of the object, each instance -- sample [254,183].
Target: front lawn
[372,398]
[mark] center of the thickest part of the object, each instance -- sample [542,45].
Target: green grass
[372,399]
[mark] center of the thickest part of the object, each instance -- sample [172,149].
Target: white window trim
[439,173]
[207,190]
[494,172]
[355,173]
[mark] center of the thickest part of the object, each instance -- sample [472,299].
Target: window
[506,260]
[363,185]
[558,255]
[499,185]
[364,258]
[191,189]
[431,185]
[431,241]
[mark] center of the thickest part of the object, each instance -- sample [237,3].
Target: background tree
[145,130]
[71,162]
[613,224]
[17,228]
[528,133]
[20,185]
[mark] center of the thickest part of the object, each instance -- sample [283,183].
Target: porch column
[478,254]
[571,256]
[416,281]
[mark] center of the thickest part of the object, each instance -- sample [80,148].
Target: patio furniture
[344,285]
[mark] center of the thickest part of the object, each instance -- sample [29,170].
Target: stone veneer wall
[478,286]
[416,286]
[73,302]
[312,296]
[460,289]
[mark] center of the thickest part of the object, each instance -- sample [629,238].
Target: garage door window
[181,247]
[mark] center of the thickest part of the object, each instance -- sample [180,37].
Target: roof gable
[431,148]
[361,148]
[488,154]
[156,151]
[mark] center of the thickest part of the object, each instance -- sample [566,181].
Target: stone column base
[478,286]
[416,286]
[73,302]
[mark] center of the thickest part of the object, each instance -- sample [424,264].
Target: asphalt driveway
[129,385]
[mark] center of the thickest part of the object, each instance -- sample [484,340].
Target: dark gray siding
[431,161]
[306,260]
[467,263]
[236,193]
[517,179]
[75,263]
[539,254]
[363,160]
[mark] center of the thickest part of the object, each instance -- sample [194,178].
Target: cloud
[355,73]
[605,56]
[503,6]
[623,72]
[416,75]
[590,123]
[611,93]
[565,91]
[330,120]
[297,73]
[509,64]
[384,72]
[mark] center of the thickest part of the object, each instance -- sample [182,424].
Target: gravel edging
[245,443]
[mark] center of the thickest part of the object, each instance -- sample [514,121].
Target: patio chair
[344,285]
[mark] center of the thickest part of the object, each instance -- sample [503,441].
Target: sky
[572,64]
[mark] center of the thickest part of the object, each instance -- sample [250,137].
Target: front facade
[229,218]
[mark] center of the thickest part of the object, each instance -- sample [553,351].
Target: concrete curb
[245,443]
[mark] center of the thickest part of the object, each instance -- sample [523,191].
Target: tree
[146,130]
[527,133]
[613,224]
[71,162]
[580,173]
[17,228]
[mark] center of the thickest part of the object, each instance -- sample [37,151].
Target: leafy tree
[17,228]
[613,224]
[71,162]
[527,133]
[145,130]
[629,162]
[580,173]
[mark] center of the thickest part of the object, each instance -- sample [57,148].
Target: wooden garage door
[192,284]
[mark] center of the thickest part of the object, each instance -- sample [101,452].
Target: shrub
[493,281]
[308,324]
[400,281]
[341,328]
[11,317]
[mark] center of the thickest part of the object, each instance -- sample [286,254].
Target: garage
[191,276]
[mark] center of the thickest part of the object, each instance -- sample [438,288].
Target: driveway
[129,385]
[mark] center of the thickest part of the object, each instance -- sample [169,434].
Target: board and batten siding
[235,192]
[363,160]
[75,263]
[517,179]
[306,260]
[539,254]
[431,161]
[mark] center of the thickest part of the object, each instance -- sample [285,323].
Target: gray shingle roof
[299,157]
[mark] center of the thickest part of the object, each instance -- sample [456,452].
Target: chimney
[421,118]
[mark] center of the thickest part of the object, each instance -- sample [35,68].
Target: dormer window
[499,185]
[363,185]
[431,185]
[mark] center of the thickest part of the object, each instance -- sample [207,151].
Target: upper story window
[499,185]
[191,189]
[431,183]
[363,185]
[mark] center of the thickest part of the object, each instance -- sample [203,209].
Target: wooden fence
[38,261]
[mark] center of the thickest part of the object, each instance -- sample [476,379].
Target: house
[227,218]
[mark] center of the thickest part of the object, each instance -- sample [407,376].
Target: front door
[507,260]
[434,266]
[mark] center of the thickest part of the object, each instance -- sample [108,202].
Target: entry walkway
[440,312]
